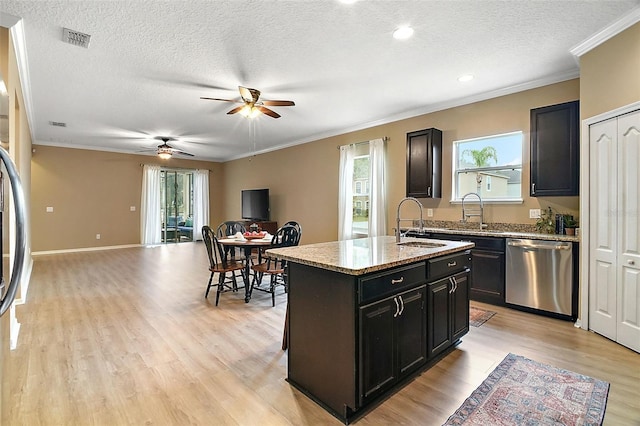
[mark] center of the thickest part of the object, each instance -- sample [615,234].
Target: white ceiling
[149,62]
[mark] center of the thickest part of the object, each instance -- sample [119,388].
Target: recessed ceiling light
[403,33]
[464,78]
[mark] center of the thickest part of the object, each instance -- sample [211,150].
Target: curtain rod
[384,139]
[173,168]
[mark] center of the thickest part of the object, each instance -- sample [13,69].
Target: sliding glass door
[176,198]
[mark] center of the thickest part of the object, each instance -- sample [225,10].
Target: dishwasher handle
[534,245]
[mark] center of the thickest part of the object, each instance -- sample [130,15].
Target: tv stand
[269,226]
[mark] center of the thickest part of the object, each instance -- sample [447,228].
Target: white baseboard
[77,250]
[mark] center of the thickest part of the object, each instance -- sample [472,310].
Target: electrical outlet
[534,213]
[132,208]
[97,236]
[49,209]
[429,212]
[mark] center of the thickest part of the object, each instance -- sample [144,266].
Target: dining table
[247,245]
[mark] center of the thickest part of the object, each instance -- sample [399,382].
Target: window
[361,193]
[490,166]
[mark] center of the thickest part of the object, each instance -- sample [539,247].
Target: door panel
[628,305]
[412,323]
[629,309]
[378,353]
[603,199]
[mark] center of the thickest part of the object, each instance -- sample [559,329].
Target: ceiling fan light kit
[164,153]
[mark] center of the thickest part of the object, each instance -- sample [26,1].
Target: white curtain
[151,229]
[377,193]
[200,202]
[345,193]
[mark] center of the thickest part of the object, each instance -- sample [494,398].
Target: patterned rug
[478,316]
[524,392]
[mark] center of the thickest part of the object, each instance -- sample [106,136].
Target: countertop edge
[413,255]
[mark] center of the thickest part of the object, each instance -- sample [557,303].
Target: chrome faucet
[466,214]
[398,235]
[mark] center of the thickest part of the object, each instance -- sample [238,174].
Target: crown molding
[440,106]
[606,33]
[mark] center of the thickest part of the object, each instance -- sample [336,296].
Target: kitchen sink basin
[423,244]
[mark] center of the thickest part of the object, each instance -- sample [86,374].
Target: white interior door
[628,306]
[603,205]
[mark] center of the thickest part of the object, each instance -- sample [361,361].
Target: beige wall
[610,74]
[303,180]
[91,193]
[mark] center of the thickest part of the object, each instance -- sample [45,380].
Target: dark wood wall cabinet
[555,150]
[424,163]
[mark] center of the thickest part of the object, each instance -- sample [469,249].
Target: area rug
[478,316]
[524,392]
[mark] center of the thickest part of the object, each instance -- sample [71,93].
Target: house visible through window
[361,192]
[490,166]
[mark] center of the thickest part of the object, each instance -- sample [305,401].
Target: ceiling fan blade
[236,109]
[278,103]
[218,99]
[268,112]
[177,151]
[248,94]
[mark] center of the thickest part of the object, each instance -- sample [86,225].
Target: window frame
[457,198]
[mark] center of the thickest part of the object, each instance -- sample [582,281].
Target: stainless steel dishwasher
[539,275]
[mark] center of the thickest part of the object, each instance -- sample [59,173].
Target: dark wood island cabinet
[362,319]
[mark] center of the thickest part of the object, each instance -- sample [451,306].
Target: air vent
[76,38]
[58,124]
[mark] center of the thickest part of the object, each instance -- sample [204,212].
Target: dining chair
[220,264]
[286,236]
[228,229]
[298,227]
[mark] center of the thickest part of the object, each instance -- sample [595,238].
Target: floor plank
[126,337]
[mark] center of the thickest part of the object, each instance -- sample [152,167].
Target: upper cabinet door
[554,150]
[424,164]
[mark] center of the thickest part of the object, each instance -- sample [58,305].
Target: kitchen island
[367,315]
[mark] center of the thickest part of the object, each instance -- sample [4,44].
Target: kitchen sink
[423,244]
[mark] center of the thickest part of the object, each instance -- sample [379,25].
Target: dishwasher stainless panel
[539,275]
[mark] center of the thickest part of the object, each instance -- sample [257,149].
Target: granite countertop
[500,233]
[364,255]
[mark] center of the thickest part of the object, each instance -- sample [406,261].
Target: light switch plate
[49,209]
[132,208]
[429,212]
[534,213]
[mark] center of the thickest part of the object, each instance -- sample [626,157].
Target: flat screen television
[255,204]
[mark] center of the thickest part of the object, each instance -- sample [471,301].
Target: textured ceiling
[149,62]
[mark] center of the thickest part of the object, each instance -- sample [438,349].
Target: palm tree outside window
[490,166]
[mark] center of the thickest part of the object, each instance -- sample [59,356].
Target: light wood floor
[125,337]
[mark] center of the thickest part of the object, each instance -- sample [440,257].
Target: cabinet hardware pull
[395,299]
[450,264]
[451,282]
[631,262]
[401,306]
[397,281]
[429,191]
[533,188]
[455,284]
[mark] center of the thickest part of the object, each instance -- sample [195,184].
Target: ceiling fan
[253,106]
[166,151]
